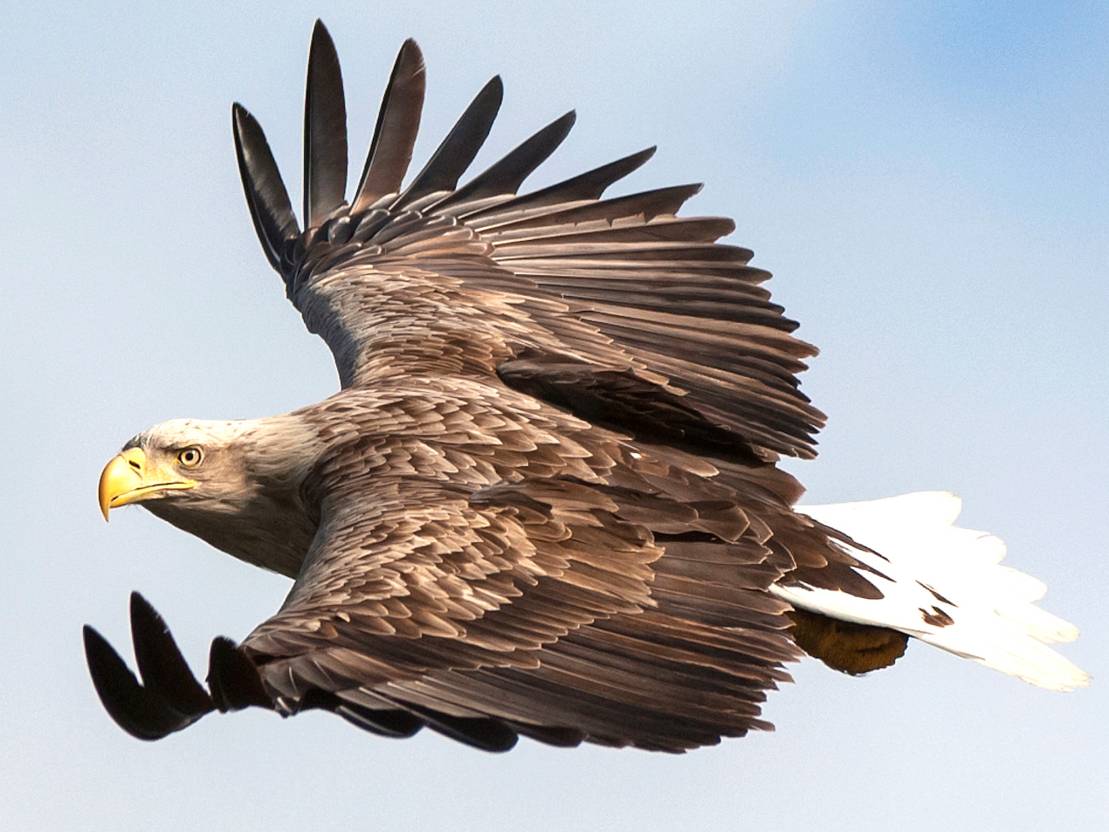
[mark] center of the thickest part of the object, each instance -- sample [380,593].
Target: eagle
[546,500]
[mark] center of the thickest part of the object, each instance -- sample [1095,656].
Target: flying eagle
[546,500]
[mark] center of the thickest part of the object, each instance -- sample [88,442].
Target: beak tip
[122,473]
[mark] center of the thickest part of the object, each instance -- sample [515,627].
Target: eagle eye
[190,457]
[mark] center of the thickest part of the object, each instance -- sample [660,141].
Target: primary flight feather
[545,501]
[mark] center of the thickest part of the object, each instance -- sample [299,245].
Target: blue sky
[928,182]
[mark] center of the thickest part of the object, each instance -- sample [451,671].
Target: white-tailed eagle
[545,501]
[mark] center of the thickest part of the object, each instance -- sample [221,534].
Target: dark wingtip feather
[589,185]
[593,183]
[648,204]
[133,708]
[606,175]
[551,735]
[490,734]
[325,130]
[495,86]
[266,197]
[398,122]
[233,678]
[458,149]
[506,175]
[162,667]
[394,724]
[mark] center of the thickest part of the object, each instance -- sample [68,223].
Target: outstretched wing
[550,608]
[600,305]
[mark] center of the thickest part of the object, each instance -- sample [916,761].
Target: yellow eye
[189,457]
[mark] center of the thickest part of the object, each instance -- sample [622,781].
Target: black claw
[234,679]
[135,709]
[164,671]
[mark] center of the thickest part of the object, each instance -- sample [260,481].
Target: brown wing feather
[622,282]
[395,132]
[325,130]
[482,558]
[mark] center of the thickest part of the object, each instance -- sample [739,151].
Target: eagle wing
[556,608]
[603,306]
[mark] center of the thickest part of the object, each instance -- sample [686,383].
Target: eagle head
[235,484]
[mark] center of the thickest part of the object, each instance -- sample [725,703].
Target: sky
[928,182]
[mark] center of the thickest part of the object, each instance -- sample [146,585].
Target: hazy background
[927,181]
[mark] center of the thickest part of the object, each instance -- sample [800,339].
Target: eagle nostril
[134,464]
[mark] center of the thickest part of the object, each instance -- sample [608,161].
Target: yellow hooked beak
[127,478]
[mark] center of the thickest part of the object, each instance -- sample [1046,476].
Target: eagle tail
[943,585]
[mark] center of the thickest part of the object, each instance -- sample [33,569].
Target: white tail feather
[935,567]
